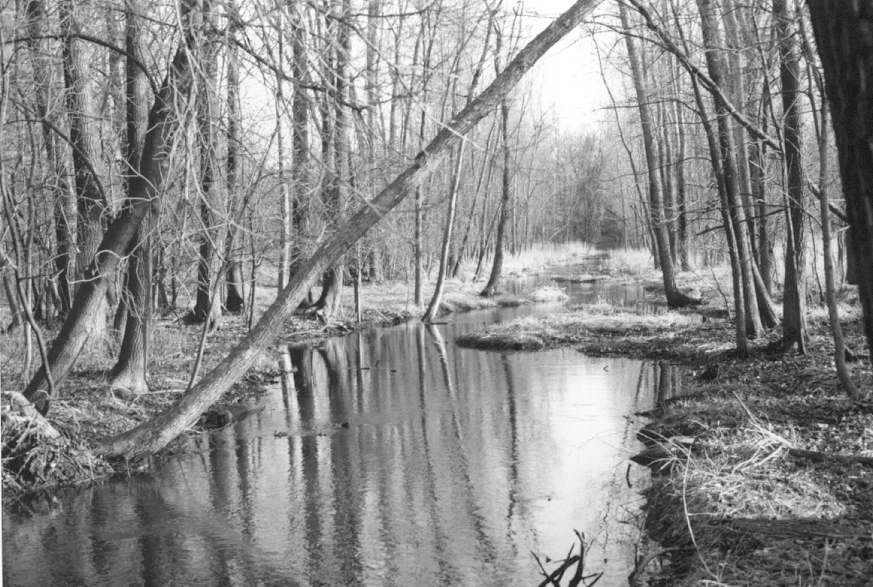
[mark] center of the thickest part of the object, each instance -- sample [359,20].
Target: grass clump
[591,325]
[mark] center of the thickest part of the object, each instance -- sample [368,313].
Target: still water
[388,457]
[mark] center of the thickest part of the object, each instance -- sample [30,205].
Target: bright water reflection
[454,466]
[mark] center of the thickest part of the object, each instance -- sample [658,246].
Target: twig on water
[554,578]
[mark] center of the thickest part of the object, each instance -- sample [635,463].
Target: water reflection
[390,457]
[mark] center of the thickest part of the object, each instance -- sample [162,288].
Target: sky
[568,76]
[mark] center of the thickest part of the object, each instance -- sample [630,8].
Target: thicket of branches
[164,156]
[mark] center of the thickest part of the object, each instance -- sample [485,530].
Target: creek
[387,457]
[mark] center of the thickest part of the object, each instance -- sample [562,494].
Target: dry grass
[636,261]
[737,506]
[537,257]
[580,325]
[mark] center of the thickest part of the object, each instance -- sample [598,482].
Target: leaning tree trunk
[718,171]
[144,189]
[794,301]
[163,428]
[445,264]
[436,300]
[842,33]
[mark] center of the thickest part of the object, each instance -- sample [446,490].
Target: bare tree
[675,298]
[157,432]
[794,302]
[846,51]
[130,371]
[143,189]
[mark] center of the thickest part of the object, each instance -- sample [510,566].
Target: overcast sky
[568,76]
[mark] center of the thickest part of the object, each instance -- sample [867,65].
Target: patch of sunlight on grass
[536,257]
[630,260]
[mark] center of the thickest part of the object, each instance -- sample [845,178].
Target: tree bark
[846,49]
[160,430]
[90,201]
[234,300]
[436,300]
[715,64]
[65,212]
[129,373]
[794,301]
[299,137]
[144,189]
[210,234]
[285,205]
[675,298]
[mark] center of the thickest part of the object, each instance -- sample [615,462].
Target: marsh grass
[739,509]
[635,261]
[535,258]
[578,325]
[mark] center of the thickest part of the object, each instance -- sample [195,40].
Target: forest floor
[761,466]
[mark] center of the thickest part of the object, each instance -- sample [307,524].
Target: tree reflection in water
[387,457]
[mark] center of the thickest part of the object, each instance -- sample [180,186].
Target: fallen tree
[156,433]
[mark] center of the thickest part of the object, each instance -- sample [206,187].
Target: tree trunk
[674,297]
[682,234]
[210,235]
[65,212]
[491,287]
[130,371]
[715,64]
[846,50]
[234,300]
[157,432]
[759,191]
[737,92]
[436,300]
[285,205]
[90,201]
[143,190]
[794,301]
[717,170]
[299,138]
[830,287]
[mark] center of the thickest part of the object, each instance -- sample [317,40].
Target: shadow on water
[388,457]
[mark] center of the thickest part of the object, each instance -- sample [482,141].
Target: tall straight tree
[210,200]
[842,34]
[130,371]
[491,287]
[727,146]
[285,235]
[234,298]
[300,130]
[675,298]
[90,201]
[335,142]
[65,212]
[794,301]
